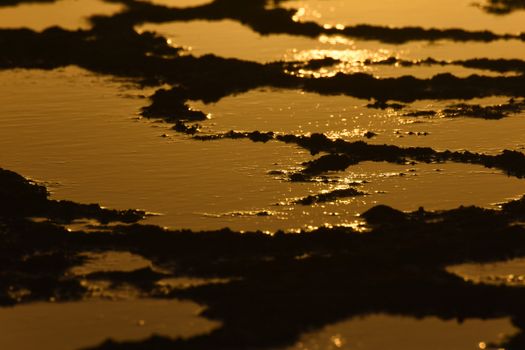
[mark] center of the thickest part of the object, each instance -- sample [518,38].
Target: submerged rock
[330,196]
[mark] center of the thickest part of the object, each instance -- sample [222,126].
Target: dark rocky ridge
[330,196]
[336,272]
[21,198]
[275,20]
[499,65]
[342,154]
[493,112]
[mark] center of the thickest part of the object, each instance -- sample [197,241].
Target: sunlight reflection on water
[204,37]
[69,14]
[379,332]
[99,153]
[74,325]
[396,13]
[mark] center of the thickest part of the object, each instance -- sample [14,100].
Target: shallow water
[75,325]
[80,134]
[511,272]
[109,261]
[394,13]
[69,14]
[101,153]
[231,39]
[179,3]
[297,112]
[378,332]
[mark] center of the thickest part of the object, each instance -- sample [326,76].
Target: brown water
[231,39]
[83,139]
[80,134]
[76,325]
[69,14]
[394,13]
[378,332]
[110,261]
[297,112]
[511,272]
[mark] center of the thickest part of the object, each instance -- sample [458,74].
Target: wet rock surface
[330,196]
[475,111]
[279,285]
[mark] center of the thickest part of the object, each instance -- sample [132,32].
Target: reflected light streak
[351,61]
[305,12]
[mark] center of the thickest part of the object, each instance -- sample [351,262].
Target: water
[109,261]
[68,14]
[465,14]
[511,272]
[297,112]
[81,135]
[75,325]
[231,39]
[378,332]
[85,141]
[101,153]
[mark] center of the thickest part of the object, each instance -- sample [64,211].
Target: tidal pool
[68,14]
[379,332]
[510,272]
[297,112]
[466,14]
[84,141]
[80,134]
[109,261]
[76,325]
[231,39]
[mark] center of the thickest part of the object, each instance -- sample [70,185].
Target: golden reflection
[109,261]
[349,55]
[390,332]
[424,13]
[509,273]
[359,226]
[79,325]
[345,133]
[300,13]
[69,14]
[305,12]
[229,177]
[337,340]
[336,26]
[351,60]
[335,40]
